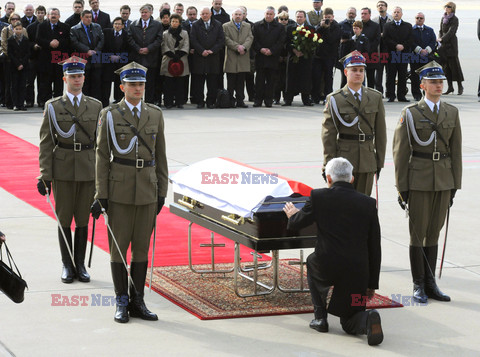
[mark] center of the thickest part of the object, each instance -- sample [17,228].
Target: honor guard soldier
[354,125]
[427,153]
[131,185]
[67,160]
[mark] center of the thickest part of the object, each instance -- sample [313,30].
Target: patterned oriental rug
[212,296]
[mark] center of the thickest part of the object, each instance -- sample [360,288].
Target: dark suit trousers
[322,69]
[370,73]
[152,74]
[31,75]
[49,73]
[236,85]
[108,76]
[392,70]
[379,77]
[319,286]
[93,82]
[7,83]
[415,79]
[250,84]
[173,92]
[198,85]
[265,84]
[18,86]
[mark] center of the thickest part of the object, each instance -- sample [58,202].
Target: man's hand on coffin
[161,202]
[290,209]
[97,206]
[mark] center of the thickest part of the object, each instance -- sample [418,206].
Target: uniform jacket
[152,40]
[394,35]
[103,19]
[80,42]
[202,39]
[366,156]
[415,173]
[168,45]
[127,184]
[425,39]
[268,35]
[448,33]
[45,35]
[348,241]
[66,164]
[234,62]
[313,19]
[19,52]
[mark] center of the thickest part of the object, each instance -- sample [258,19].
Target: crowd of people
[185,47]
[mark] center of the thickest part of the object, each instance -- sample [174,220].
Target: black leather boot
[120,284]
[68,271]
[460,88]
[81,236]
[418,274]
[431,288]
[137,307]
[320,323]
[450,87]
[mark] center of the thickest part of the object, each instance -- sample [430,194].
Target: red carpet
[171,244]
[193,293]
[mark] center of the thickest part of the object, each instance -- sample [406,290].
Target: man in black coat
[346,25]
[219,14]
[29,18]
[9,9]
[87,39]
[398,39]
[207,39]
[41,12]
[77,11]
[372,31]
[145,40]
[192,14]
[53,37]
[115,52]
[299,66]
[98,16]
[347,253]
[268,41]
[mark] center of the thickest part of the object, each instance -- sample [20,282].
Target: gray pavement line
[4,351]
[30,291]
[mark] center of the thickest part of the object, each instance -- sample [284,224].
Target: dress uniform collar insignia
[73,65]
[431,70]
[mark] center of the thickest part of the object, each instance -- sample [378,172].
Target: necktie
[95,17]
[144,25]
[135,114]
[75,103]
[207,25]
[435,109]
[398,23]
[238,26]
[116,34]
[357,98]
[421,28]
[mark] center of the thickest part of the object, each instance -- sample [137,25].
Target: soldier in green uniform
[131,185]
[315,16]
[67,159]
[354,125]
[427,153]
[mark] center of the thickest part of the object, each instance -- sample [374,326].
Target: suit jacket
[45,35]
[112,44]
[234,62]
[420,174]
[73,20]
[202,39]
[372,31]
[365,156]
[448,33]
[394,35]
[127,24]
[382,23]
[348,242]
[67,164]
[80,41]
[186,26]
[331,40]
[18,52]
[127,184]
[223,17]
[26,23]
[268,35]
[103,19]
[152,40]
[425,39]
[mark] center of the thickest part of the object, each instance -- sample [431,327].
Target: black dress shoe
[180,106]
[211,106]
[137,308]
[460,91]
[321,325]
[242,105]
[419,294]
[257,104]
[287,104]
[29,105]
[23,109]
[449,90]
[374,328]
[9,107]
[200,105]
[169,106]
[16,109]
[390,100]
[268,104]
[276,102]
[308,104]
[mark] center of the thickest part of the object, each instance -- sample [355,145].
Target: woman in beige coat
[175,48]
[238,40]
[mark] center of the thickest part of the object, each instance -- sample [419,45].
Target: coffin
[240,197]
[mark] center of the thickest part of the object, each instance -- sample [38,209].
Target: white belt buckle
[139,163]
[361,137]
[77,146]
[436,156]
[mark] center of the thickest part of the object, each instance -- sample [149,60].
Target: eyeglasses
[419,18]
[15,19]
[448,6]
[283,19]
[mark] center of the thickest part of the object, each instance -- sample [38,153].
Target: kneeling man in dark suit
[347,253]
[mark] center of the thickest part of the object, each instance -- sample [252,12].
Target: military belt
[75,146]
[139,163]
[435,156]
[359,137]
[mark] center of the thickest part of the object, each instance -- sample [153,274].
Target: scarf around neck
[176,35]
[447,17]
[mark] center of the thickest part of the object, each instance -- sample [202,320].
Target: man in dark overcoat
[207,39]
[347,253]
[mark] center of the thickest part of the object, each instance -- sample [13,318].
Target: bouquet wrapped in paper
[305,41]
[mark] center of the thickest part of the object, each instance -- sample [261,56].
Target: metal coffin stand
[258,245]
